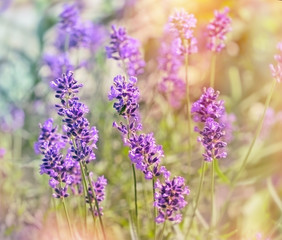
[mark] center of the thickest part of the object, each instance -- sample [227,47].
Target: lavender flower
[211,139]
[182,24]
[127,95]
[146,155]
[217,30]
[170,199]
[69,17]
[79,138]
[99,189]
[208,106]
[277,71]
[126,49]
[49,145]
[170,62]
[82,138]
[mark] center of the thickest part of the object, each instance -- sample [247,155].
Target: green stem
[154,213]
[213,212]
[258,130]
[203,168]
[96,203]
[67,214]
[213,63]
[162,233]
[188,108]
[259,126]
[134,179]
[85,192]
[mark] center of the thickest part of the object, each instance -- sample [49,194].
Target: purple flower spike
[146,155]
[277,71]
[217,30]
[69,17]
[208,106]
[182,25]
[170,199]
[126,49]
[99,189]
[211,138]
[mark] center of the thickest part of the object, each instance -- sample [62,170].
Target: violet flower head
[212,140]
[276,71]
[99,188]
[170,199]
[146,155]
[126,95]
[76,125]
[208,106]
[217,30]
[182,24]
[126,49]
[69,17]
[49,145]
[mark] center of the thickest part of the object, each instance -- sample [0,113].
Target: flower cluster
[169,199]
[217,30]
[99,188]
[127,95]
[126,49]
[170,62]
[277,71]
[50,143]
[208,106]
[211,139]
[82,137]
[209,110]
[79,139]
[182,25]
[144,153]
[72,33]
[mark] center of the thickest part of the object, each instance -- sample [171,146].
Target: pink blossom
[217,30]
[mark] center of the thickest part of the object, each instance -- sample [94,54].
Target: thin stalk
[162,233]
[203,167]
[134,178]
[96,203]
[154,213]
[213,212]
[85,193]
[258,130]
[188,108]
[135,193]
[213,64]
[67,214]
[56,217]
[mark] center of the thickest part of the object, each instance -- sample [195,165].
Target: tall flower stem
[162,232]
[244,163]
[134,179]
[258,130]
[67,214]
[85,192]
[96,202]
[213,216]
[154,213]
[188,106]
[213,64]
[203,168]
